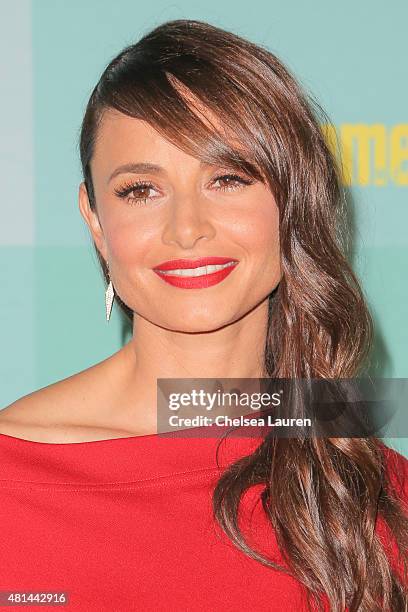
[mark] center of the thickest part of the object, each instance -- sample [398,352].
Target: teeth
[197,271]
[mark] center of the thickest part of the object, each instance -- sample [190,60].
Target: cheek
[259,233]
[128,242]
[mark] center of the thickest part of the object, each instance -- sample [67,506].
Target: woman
[199,144]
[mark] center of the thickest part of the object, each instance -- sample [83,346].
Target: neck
[233,351]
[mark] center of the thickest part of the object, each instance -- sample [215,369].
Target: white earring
[109,297]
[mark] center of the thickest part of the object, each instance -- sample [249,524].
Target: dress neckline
[18,439]
[128,459]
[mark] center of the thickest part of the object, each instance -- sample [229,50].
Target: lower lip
[197,282]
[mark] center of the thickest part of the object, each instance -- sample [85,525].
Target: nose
[188,223]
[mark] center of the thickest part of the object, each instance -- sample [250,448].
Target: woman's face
[181,210]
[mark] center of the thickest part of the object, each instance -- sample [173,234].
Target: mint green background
[350,56]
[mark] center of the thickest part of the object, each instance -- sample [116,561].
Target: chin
[191,324]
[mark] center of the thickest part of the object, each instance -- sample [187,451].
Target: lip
[196,282]
[175,264]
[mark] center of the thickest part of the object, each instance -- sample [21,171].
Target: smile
[195,278]
[198,271]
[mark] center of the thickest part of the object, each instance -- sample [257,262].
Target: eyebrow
[137,168]
[143,167]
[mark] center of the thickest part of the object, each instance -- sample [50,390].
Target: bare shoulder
[67,410]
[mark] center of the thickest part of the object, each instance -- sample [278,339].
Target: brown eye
[142,191]
[139,189]
[231,180]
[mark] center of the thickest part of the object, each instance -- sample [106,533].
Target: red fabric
[126,524]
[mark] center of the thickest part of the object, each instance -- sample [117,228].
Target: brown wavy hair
[324,512]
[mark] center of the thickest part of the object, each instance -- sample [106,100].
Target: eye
[136,187]
[230,181]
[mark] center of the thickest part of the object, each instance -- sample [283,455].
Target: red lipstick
[176,264]
[206,279]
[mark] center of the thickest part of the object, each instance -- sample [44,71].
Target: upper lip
[175,264]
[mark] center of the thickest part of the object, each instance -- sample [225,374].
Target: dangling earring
[109,297]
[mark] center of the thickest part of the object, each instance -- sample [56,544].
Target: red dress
[126,524]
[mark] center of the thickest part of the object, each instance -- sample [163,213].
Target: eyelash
[124,191]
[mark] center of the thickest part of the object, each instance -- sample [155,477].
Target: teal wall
[349,55]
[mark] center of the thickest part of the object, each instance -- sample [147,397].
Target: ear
[92,220]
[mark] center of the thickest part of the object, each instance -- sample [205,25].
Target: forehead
[119,133]
[122,139]
[118,125]
[120,136]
